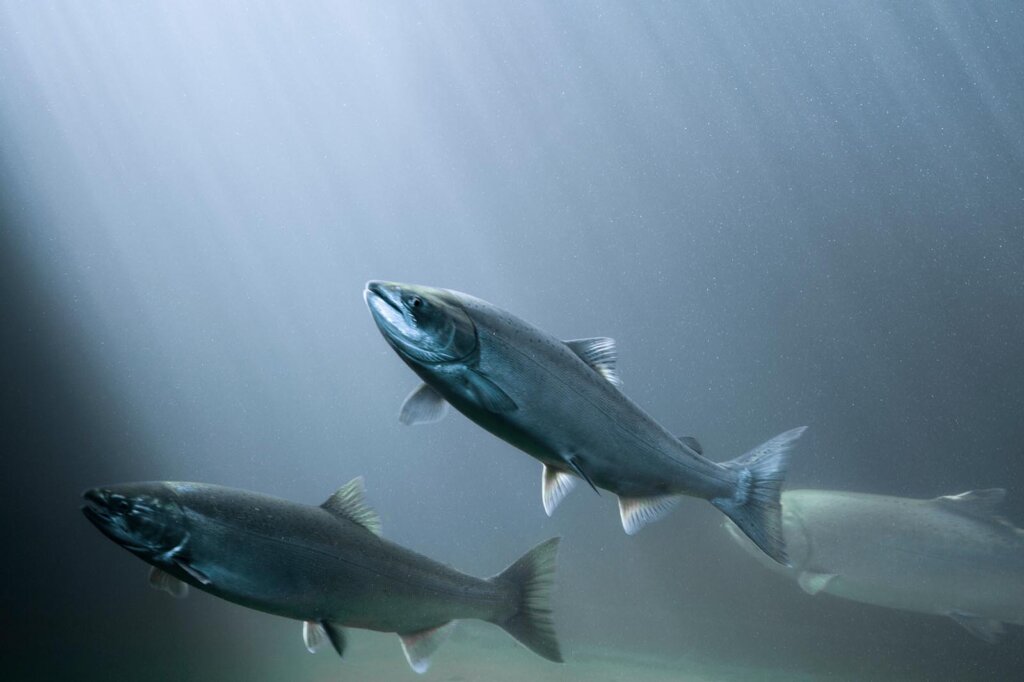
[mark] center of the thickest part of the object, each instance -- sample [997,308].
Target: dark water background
[797,213]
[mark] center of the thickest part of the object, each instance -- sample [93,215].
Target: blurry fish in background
[560,402]
[326,566]
[952,556]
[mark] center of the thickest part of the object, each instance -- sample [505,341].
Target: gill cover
[424,324]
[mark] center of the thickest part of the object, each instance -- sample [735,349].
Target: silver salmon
[952,555]
[326,565]
[560,402]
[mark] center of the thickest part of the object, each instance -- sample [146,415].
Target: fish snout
[384,299]
[97,505]
[107,503]
[96,497]
[390,292]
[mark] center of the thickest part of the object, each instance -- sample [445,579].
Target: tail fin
[754,506]
[530,579]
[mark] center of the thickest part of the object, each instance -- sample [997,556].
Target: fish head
[144,518]
[425,325]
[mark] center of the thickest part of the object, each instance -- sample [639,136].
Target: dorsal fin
[981,503]
[350,503]
[600,354]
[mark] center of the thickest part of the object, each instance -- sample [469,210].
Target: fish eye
[121,504]
[416,302]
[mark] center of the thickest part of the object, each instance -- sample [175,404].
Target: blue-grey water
[784,213]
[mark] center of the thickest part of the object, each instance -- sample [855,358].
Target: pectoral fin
[420,646]
[487,394]
[196,574]
[637,512]
[556,485]
[986,629]
[423,406]
[314,634]
[813,583]
[165,582]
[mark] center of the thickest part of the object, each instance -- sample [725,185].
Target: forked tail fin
[754,506]
[530,580]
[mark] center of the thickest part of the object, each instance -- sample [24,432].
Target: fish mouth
[97,507]
[384,301]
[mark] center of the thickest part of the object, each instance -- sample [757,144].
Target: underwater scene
[481,341]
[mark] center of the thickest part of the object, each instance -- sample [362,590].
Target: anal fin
[165,582]
[813,583]
[555,486]
[637,512]
[986,629]
[420,646]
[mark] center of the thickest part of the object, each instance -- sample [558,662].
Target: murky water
[808,214]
